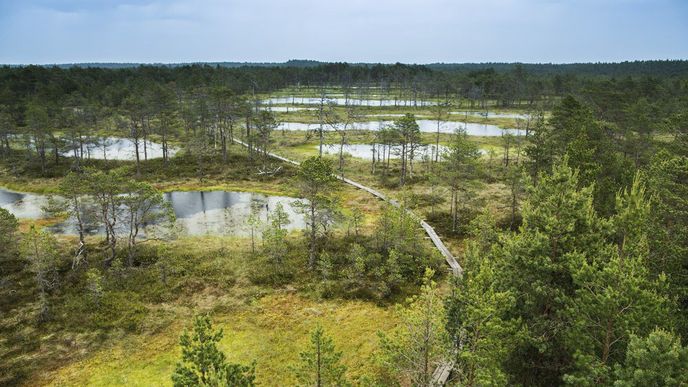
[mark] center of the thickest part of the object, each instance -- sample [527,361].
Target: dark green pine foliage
[668,184]
[540,150]
[477,313]
[572,131]
[614,294]
[559,223]
[578,285]
[8,237]
[203,364]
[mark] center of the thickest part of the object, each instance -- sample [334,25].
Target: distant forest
[500,84]
[655,67]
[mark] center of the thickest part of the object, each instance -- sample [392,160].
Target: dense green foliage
[557,300]
[657,360]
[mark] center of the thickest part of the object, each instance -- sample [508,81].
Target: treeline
[656,68]
[615,69]
[505,85]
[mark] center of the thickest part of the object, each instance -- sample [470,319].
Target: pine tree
[589,146]
[274,235]
[615,294]
[668,185]
[142,205]
[41,251]
[320,364]
[73,189]
[540,151]
[535,266]
[317,183]
[655,360]
[203,364]
[8,235]
[413,350]
[461,166]
[408,135]
[477,322]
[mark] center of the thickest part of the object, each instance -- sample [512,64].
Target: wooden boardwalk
[441,374]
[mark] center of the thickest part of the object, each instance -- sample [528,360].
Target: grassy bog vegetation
[562,194]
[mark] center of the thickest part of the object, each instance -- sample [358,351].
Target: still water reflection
[197,212]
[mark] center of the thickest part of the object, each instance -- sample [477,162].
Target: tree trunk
[144,128]
[56,152]
[341,155]
[455,206]
[437,142]
[81,251]
[138,157]
[311,256]
[223,139]
[132,239]
[403,164]
[389,150]
[372,164]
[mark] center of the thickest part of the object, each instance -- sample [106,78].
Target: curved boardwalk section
[443,371]
[451,261]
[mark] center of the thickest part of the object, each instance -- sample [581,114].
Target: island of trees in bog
[292,224]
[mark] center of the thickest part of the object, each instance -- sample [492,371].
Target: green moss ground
[271,330]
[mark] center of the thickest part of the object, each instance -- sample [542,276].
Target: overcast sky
[409,31]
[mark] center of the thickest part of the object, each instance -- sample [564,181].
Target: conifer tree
[203,364]
[320,364]
[668,236]
[8,235]
[615,295]
[274,236]
[40,250]
[316,183]
[656,360]
[413,350]
[559,224]
[477,314]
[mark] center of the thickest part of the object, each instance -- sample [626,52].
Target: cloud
[52,31]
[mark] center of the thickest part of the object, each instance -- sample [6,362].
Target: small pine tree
[8,235]
[413,350]
[94,285]
[253,221]
[40,249]
[320,364]
[203,364]
[393,277]
[326,266]
[274,236]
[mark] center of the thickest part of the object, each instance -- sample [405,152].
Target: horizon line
[318,62]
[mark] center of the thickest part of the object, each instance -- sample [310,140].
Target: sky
[386,31]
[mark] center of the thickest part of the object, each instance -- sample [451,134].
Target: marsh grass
[271,330]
